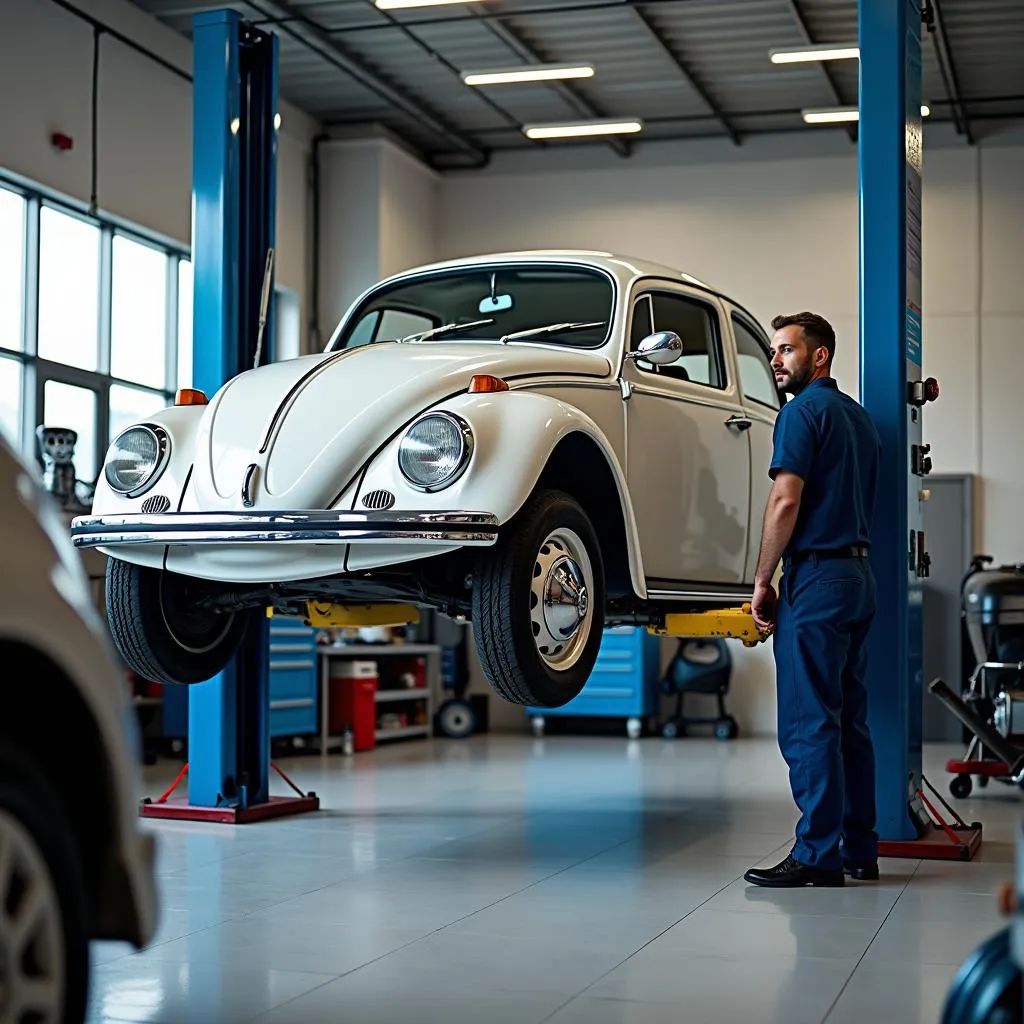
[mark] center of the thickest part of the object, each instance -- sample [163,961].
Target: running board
[731,623]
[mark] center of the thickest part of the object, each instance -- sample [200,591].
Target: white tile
[706,989]
[909,994]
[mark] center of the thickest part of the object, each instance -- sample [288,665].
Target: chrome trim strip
[456,527]
[702,595]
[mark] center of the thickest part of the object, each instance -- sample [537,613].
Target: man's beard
[794,383]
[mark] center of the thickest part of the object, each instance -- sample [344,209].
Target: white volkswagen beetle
[547,443]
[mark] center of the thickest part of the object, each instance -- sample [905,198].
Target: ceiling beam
[579,103]
[652,29]
[311,35]
[944,57]
[805,32]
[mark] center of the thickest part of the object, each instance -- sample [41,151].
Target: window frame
[735,317]
[36,369]
[646,294]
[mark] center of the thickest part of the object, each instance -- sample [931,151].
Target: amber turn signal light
[190,396]
[484,382]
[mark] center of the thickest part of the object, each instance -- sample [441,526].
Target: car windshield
[489,303]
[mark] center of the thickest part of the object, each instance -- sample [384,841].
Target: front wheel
[162,630]
[44,939]
[538,603]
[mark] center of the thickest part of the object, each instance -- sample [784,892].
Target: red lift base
[942,840]
[276,807]
[936,845]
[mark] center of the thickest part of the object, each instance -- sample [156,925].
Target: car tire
[39,859]
[161,634]
[523,649]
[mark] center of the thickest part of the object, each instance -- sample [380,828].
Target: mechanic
[817,521]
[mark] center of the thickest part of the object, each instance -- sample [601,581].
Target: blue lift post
[234,204]
[894,393]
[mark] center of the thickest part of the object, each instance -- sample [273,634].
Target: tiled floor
[566,879]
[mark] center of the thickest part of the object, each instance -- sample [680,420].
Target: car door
[687,452]
[761,403]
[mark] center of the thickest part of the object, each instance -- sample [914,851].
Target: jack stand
[228,813]
[729,623]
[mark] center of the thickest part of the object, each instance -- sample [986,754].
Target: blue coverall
[826,604]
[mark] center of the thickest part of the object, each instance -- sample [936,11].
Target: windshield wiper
[423,335]
[549,329]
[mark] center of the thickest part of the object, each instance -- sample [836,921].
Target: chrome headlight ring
[163,444]
[466,435]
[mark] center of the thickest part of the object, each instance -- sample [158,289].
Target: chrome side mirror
[660,348]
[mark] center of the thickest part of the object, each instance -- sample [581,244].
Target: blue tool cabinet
[294,693]
[624,683]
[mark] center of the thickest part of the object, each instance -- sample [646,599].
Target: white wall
[775,223]
[378,217]
[144,152]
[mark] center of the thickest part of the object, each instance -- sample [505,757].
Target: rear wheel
[538,603]
[162,630]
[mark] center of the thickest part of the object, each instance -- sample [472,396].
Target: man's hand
[764,605]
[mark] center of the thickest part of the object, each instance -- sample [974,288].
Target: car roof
[617,263]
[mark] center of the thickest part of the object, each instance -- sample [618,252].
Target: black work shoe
[862,872]
[791,873]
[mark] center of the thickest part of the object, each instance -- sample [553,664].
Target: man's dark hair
[817,329]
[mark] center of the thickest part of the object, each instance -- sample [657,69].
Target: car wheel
[456,719]
[162,632]
[538,603]
[44,939]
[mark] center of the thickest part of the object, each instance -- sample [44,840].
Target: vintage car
[545,443]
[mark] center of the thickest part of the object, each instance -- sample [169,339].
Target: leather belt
[850,551]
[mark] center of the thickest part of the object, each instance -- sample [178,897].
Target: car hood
[308,424]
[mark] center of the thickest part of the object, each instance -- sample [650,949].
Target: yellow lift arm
[325,614]
[732,623]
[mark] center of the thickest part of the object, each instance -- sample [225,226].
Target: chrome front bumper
[188,528]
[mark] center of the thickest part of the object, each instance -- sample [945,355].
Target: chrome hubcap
[31,933]
[560,612]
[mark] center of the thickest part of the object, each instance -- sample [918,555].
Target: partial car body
[546,443]
[74,865]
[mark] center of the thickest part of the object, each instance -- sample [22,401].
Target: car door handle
[738,422]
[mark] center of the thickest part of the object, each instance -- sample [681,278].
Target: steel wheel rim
[191,646]
[32,968]
[561,605]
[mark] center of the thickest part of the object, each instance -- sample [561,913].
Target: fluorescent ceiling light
[830,51]
[578,129]
[839,115]
[529,73]
[395,5]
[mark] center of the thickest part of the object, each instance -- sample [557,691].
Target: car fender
[514,434]
[182,426]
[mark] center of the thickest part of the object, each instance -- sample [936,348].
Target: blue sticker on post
[913,334]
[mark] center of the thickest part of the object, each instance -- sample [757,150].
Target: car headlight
[435,451]
[136,458]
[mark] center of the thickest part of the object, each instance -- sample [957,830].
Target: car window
[514,297]
[756,377]
[696,324]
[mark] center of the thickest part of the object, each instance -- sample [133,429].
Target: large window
[93,319]
[12,269]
